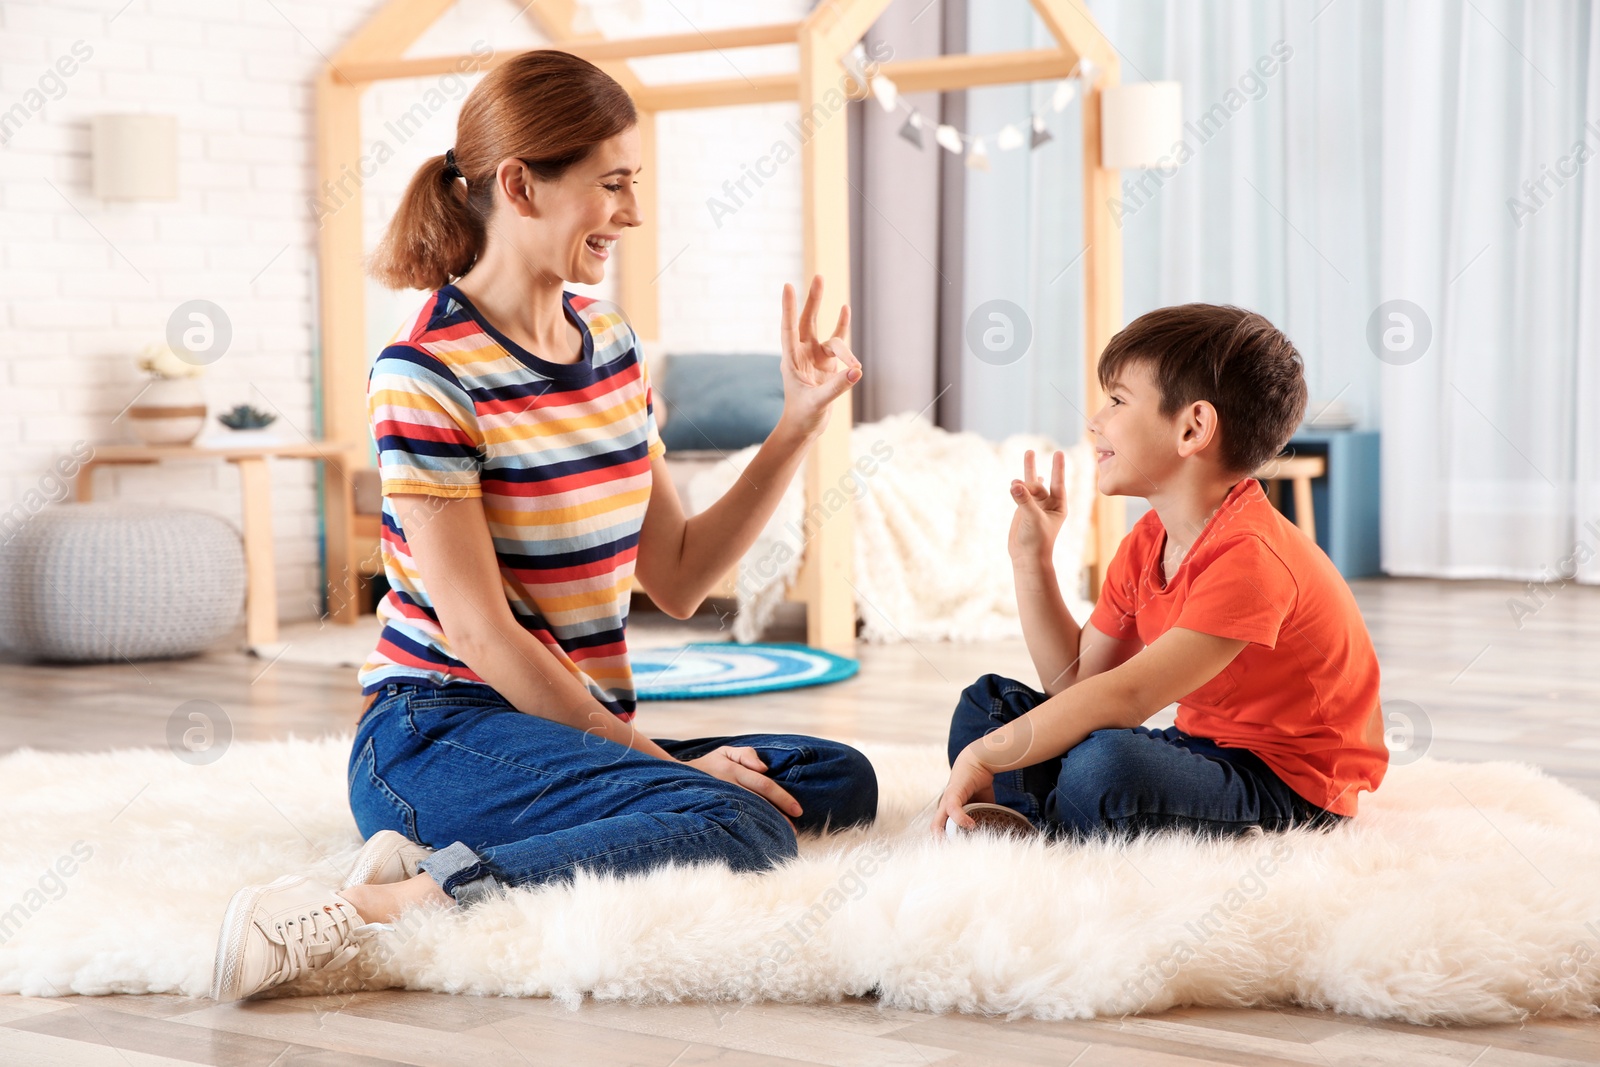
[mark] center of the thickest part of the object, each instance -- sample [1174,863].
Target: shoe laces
[324,938]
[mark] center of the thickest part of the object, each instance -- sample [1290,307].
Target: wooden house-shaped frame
[824,36]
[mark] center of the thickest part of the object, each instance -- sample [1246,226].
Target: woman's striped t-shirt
[560,454]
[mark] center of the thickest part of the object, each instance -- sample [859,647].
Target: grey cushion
[722,402]
[112,581]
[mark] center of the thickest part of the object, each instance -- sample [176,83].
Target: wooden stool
[1298,471]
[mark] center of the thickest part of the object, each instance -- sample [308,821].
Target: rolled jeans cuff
[461,873]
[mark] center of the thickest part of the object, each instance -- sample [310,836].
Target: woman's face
[573,223]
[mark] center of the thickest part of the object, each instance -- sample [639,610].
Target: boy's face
[1136,447]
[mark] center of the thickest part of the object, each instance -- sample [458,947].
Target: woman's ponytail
[547,108]
[434,237]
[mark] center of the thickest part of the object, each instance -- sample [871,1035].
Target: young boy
[1213,600]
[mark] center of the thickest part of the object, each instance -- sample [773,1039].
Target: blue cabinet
[1345,500]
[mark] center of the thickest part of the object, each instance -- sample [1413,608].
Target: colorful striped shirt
[559,453]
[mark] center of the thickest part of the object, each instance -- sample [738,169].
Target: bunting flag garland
[1040,133]
[884,89]
[1063,95]
[855,64]
[973,147]
[912,130]
[977,155]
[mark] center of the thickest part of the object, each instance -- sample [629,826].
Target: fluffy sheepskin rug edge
[1462,893]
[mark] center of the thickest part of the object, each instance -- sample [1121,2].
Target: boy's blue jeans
[514,799]
[1127,782]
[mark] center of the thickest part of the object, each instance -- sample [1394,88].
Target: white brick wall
[84,283]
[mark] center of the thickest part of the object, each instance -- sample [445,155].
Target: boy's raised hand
[1040,512]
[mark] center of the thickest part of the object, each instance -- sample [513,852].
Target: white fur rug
[1462,893]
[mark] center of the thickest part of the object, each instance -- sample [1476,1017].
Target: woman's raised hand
[816,371]
[1040,512]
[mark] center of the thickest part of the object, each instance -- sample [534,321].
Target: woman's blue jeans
[513,799]
[1127,782]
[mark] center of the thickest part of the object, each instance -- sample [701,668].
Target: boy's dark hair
[1232,358]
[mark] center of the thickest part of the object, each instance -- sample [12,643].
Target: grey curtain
[906,222]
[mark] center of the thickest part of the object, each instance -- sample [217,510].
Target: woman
[523,488]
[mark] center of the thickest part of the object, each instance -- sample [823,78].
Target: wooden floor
[1462,676]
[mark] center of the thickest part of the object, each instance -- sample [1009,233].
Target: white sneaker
[277,932]
[388,856]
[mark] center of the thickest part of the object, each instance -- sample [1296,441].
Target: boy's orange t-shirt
[1303,694]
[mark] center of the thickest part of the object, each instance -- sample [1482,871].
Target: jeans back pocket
[373,803]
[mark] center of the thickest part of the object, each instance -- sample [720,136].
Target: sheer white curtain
[1586,405]
[1360,153]
[1275,207]
[1490,436]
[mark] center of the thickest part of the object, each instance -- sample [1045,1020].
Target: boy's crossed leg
[1130,781]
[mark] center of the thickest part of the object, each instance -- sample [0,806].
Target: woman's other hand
[743,767]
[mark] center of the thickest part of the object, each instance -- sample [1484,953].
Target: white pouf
[112,581]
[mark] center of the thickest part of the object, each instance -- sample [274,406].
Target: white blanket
[932,510]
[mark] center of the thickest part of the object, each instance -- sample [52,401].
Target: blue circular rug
[715,669]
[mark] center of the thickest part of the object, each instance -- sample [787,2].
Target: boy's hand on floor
[969,781]
[1040,511]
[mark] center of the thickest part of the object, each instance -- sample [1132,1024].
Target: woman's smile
[600,244]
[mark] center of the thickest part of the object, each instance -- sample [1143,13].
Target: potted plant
[247,425]
[171,409]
